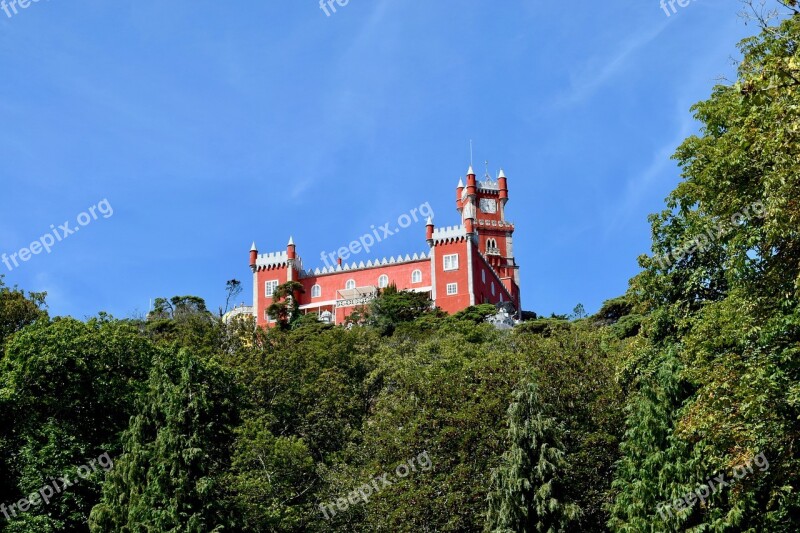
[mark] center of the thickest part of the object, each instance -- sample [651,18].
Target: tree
[233,288]
[185,321]
[175,452]
[652,460]
[18,310]
[78,383]
[285,307]
[393,307]
[526,492]
[271,478]
[477,313]
[721,294]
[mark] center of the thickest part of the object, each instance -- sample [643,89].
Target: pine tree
[175,451]
[654,463]
[525,494]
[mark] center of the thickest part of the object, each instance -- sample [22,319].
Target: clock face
[488,205]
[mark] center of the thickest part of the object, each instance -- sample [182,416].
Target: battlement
[364,266]
[449,233]
[276,260]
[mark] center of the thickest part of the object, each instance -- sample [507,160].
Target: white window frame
[350,284]
[452,289]
[383,281]
[271,283]
[316,291]
[416,276]
[452,259]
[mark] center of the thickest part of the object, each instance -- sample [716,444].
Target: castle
[465,265]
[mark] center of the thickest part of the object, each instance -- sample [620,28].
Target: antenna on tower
[487,175]
[470,152]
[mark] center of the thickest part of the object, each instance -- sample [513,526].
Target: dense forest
[675,407]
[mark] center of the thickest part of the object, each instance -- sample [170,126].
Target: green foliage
[184,321]
[285,309]
[714,378]
[270,478]
[527,490]
[544,326]
[477,314]
[78,384]
[175,452]
[233,288]
[393,307]
[18,310]
[618,313]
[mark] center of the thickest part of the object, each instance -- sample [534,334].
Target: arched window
[493,288]
[316,291]
[483,276]
[416,276]
[383,281]
[351,284]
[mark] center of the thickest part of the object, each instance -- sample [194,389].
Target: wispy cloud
[639,185]
[600,70]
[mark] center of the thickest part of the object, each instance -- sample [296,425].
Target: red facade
[464,265]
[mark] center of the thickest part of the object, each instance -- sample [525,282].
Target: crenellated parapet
[364,266]
[449,234]
[276,260]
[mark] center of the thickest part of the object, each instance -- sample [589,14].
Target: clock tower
[482,206]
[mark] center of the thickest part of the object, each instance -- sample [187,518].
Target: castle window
[491,247]
[493,288]
[483,276]
[351,284]
[416,276]
[451,262]
[452,288]
[316,291]
[269,288]
[383,281]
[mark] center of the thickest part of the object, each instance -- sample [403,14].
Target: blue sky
[207,125]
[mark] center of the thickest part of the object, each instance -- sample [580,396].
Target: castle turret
[471,182]
[502,184]
[459,195]
[253,256]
